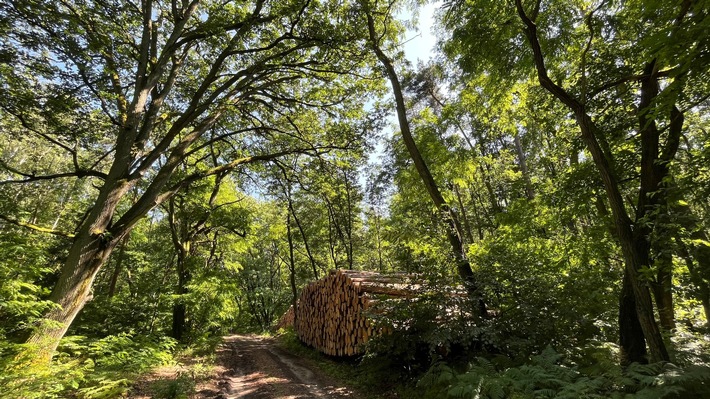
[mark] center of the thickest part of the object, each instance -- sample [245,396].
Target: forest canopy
[172,171]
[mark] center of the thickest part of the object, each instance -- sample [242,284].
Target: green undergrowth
[548,374]
[86,368]
[181,385]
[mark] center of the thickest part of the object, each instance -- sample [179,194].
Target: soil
[255,367]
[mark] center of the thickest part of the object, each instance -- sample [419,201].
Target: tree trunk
[287,190]
[634,246]
[348,221]
[701,253]
[292,269]
[529,191]
[466,223]
[179,324]
[332,240]
[663,290]
[73,289]
[379,244]
[90,249]
[117,269]
[480,227]
[696,277]
[485,174]
[338,229]
[449,216]
[631,338]
[314,267]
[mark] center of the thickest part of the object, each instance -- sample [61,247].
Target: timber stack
[331,312]
[285,320]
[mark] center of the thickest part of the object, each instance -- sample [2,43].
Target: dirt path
[254,367]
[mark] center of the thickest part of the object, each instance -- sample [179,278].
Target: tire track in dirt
[253,367]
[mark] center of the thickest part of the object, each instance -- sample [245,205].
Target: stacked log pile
[286,320]
[331,311]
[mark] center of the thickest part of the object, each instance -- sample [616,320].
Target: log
[286,320]
[330,314]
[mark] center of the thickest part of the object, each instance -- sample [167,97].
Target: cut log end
[330,314]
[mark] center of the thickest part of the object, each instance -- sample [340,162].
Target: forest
[174,171]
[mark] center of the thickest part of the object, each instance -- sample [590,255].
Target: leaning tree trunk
[450,217]
[71,292]
[137,152]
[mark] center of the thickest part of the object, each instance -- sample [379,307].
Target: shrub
[545,377]
[84,368]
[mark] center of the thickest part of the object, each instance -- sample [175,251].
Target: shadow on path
[253,367]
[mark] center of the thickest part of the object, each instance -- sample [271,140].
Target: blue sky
[421,44]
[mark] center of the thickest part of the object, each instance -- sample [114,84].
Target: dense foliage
[171,172]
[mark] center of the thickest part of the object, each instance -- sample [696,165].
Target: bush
[84,368]
[415,332]
[545,377]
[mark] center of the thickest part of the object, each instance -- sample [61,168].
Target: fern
[486,365]
[106,389]
[544,377]
[88,369]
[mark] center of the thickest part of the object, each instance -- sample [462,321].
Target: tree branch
[30,177]
[36,227]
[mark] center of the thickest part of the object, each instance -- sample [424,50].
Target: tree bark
[381,266]
[631,338]
[634,246]
[701,253]
[287,191]
[292,269]
[698,273]
[466,223]
[663,292]
[179,322]
[348,221]
[449,216]
[118,268]
[71,292]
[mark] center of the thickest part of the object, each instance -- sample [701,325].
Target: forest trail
[254,367]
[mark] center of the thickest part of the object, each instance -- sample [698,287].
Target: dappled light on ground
[254,367]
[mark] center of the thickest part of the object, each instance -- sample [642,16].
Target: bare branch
[630,78]
[30,177]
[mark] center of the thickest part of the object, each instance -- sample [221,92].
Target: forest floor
[256,367]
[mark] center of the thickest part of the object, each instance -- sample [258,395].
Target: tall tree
[127,91]
[191,217]
[591,58]
[378,16]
